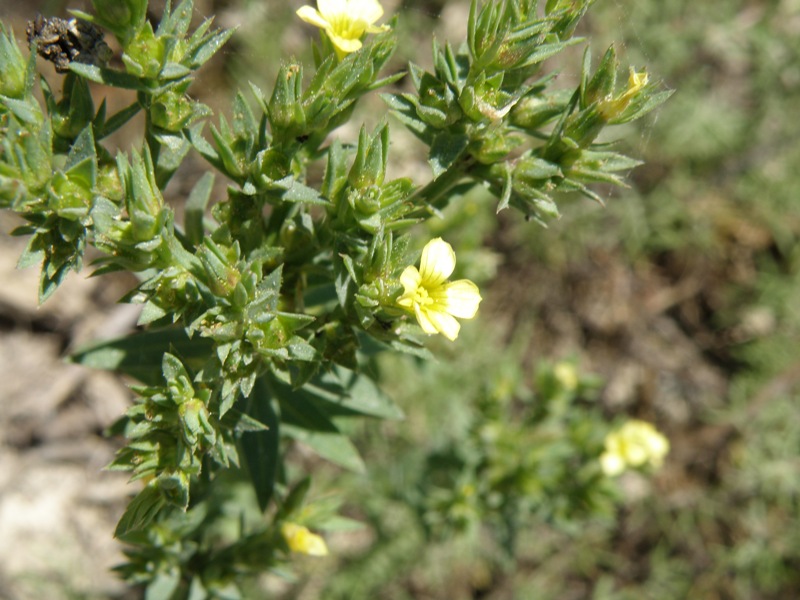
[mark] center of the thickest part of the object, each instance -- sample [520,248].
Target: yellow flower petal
[343,44]
[410,279]
[332,9]
[611,464]
[637,81]
[444,323]
[368,11]
[423,320]
[437,263]
[311,16]
[461,298]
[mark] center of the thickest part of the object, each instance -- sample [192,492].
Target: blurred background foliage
[678,303]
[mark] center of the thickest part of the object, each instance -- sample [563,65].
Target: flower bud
[124,18]
[369,167]
[69,195]
[174,487]
[613,108]
[286,113]
[12,66]
[143,198]
[171,111]
[534,111]
[195,422]
[145,55]
[75,111]
[604,80]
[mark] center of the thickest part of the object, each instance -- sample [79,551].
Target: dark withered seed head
[62,41]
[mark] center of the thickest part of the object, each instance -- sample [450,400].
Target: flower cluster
[635,444]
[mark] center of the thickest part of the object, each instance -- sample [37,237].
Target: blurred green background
[678,303]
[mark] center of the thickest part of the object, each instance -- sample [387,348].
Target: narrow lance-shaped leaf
[261,449]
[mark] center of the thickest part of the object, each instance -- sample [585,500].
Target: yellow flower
[345,21]
[435,301]
[567,375]
[613,107]
[302,541]
[634,444]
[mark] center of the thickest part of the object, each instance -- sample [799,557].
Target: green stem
[436,193]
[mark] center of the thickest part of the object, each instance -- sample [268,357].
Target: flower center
[346,27]
[422,297]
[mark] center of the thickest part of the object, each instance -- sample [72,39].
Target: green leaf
[303,421]
[342,283]
[206,150]
[141,511]
[505,197]
[207,48]
[83,149]
[172,367]
[151,312]
[643,105]
[355,391]
[163,586]
[196,589]
[117,120]
[110,77]
[298,192]
[140,355]
[332,446]
[244,123]
[447,148]
[547,50]
[533,168]
[172,71]
[607,161]
[196,208]
[260,449]
[27,111]
[294,499]
[406,112]
[168,156]
[176,22]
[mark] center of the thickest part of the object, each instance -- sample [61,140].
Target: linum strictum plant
[261,308]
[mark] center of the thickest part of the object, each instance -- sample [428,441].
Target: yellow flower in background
[344,21]
[634,444]
[435,301]
[302,541]
[567,375]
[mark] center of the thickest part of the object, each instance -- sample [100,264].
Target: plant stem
[436,194]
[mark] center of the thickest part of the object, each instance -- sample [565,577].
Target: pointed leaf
[110,77]
[354,391]
[141,511]
[303,421]
[196,208]
[447,148]
[140,355]
[260,449]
